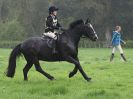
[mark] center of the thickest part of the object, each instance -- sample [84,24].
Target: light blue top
[116,38]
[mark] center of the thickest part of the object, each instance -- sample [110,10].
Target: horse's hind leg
[29,64]
[39,69]
[26,69]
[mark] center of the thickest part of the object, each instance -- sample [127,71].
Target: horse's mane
[75,23]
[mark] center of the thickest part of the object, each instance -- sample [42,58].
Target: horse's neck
[74,35]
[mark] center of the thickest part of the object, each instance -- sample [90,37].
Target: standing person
[116,43]
[52,26]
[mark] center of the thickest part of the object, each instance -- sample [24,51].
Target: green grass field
[109,80]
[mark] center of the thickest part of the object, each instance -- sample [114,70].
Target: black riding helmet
[52,9]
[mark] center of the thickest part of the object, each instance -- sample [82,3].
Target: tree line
[20,19]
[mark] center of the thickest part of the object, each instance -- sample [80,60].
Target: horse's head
[89,31]
[84,28]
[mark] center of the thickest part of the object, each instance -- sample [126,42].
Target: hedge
[8,44]
[84,43]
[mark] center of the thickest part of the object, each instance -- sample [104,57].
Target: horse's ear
[88,21]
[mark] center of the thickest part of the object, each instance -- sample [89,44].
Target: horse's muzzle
[95,38]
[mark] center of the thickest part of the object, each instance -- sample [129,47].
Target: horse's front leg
[77,64]
[72,73]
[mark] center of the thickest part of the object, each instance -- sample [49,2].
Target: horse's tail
[16,52]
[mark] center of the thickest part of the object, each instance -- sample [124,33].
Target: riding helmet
[52,9]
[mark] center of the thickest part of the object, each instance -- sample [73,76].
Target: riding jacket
[52,24]
[116,38]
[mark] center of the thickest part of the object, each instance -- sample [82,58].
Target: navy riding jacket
[52,24]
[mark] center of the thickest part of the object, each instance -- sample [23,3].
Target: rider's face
[55,13]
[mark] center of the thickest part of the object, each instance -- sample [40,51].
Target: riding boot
[54,51]
[112,56]
[123,57]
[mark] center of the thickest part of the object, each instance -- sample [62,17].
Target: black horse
[36,48]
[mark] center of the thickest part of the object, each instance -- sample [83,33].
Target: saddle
[50,41]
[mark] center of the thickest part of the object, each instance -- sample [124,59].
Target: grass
[109,80]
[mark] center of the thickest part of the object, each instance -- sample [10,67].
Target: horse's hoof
[71,74]
[25,79]
[88,79]
[52,78]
